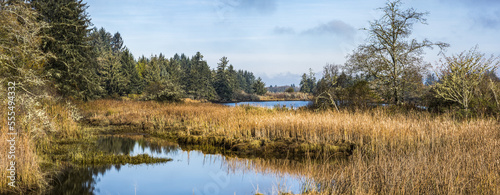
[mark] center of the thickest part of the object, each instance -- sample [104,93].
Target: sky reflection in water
[189,172]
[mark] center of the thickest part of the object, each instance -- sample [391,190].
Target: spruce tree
[259,87]
[133,80]
[304,84]
[198,77]
[73,67]
[112,76]
[222,83]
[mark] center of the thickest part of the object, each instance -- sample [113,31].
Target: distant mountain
[280,79]
[284,79]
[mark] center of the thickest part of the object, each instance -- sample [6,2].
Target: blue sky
[279,40]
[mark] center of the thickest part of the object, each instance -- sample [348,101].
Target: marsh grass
[39,123]
[395,152]
[286,96]
[28,174]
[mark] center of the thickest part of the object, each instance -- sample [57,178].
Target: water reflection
[79,180]
[190,172]
[272,104]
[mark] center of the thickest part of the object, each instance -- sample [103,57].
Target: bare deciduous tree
[389,56]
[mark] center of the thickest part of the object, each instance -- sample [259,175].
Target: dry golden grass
[38,122]
[285,96]
[300,171]
[410,153]
[28,174]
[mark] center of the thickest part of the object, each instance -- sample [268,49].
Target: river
[189,172]
[272,104]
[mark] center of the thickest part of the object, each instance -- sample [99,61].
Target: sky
[279,40]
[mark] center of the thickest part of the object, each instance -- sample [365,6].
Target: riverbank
[270,96]
[384,150]
[279,100]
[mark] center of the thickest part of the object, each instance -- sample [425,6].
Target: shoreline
[279,100]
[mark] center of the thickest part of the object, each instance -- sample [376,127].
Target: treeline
[389,69]
[68,57]
[166,79]
[286,88]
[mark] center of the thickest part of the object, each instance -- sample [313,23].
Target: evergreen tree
[311,80]
[159,84]
[233,78]
[308,83]
[198,77]
[241,80]
[175,70]
[133,80]
[152,71]
[73,67]
[304,84]
[141,67]
[259,87]
[250,80]
[163,64]
[116,42]
[112,75]
[222,83]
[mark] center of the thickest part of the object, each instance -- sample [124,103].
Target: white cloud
[335,27]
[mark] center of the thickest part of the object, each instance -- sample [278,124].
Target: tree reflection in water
[82,180]
[78,180]
[279,174]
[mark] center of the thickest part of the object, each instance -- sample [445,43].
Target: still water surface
[190,172]
[272,104]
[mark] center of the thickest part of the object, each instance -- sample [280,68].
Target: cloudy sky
[279,40]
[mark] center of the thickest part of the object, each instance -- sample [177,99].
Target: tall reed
[403,153]
[28,175]
[39,122]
